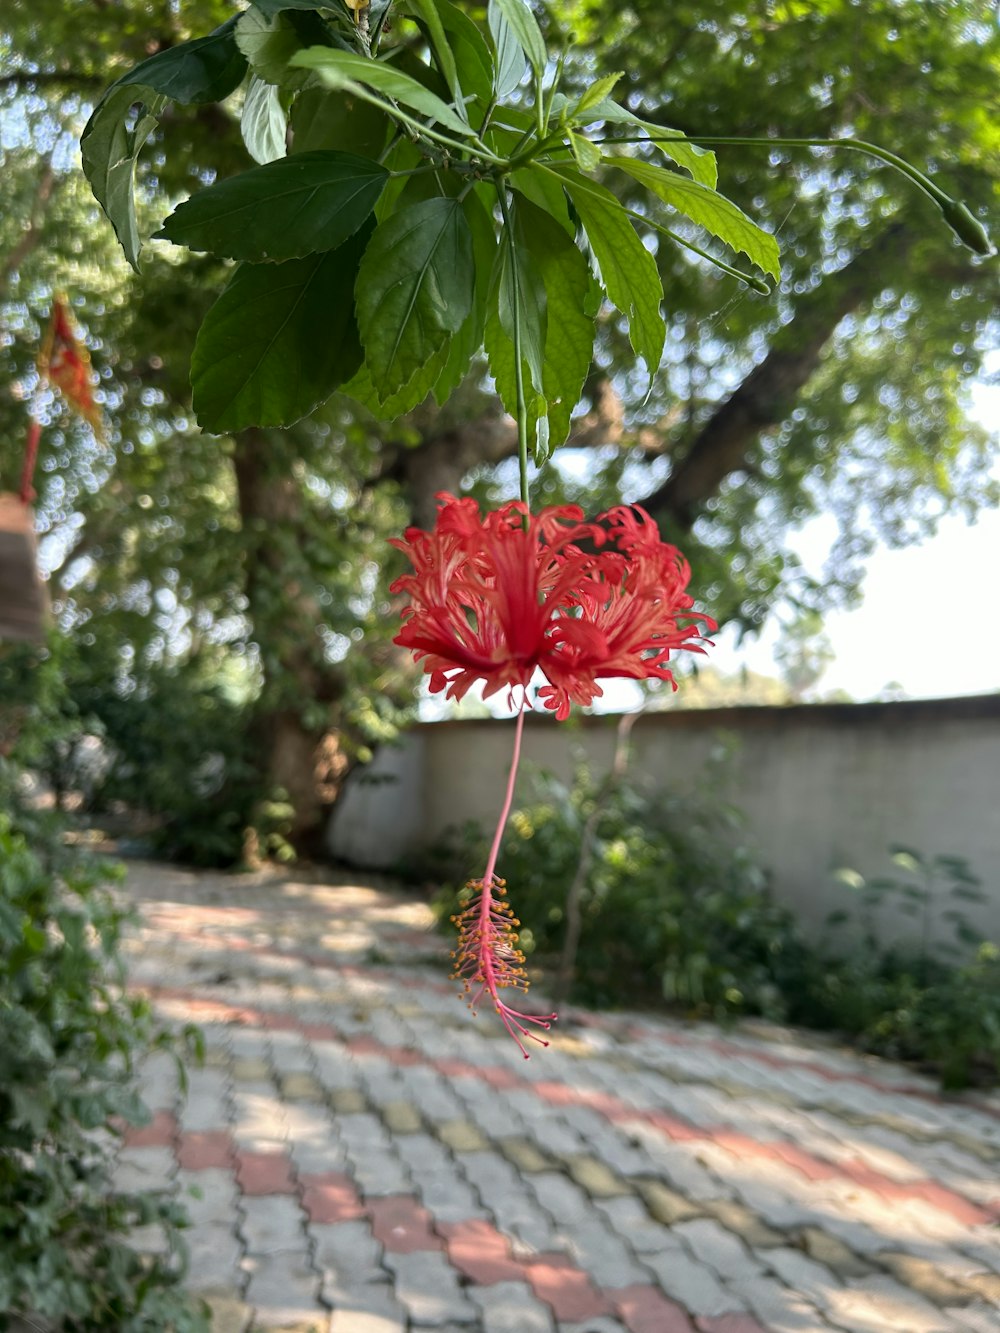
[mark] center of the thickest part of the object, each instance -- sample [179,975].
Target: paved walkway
[360,1156]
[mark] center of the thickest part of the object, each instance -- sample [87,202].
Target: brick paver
[358,1155]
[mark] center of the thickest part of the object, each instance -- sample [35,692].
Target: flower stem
[522,406]
[491,864]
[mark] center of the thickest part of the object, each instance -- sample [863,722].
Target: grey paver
[272,1224]
[427,1286]
[511,1307]
[283,1290]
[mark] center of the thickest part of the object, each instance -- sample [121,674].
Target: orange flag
[65,363]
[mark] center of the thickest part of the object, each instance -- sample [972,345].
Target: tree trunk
[284,616]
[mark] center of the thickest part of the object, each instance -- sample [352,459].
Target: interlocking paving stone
[358,1139]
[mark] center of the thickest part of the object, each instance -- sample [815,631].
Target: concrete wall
[822,786]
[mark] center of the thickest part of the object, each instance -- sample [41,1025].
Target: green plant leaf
[262,122]
[588,155]
[303,204]
[700,162]
[525,28]
[472,53]
[362,390]
[269,44]
[109,149]
[597,92]
[278,341]
[710,210]
[427,11]
[519,288]
[321,119]
[545,191]
[511,60]
[206,69]
[469,339]
[628,270]
[271,7]
[347,72]
[571,299]
[415,288]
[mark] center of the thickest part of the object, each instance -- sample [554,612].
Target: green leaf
[571,298]
[519,290]
[628,270]
[415,288]
[588,155]
[362,390]
[710,210]
[427,10]
[545,191]
[525,28]
[469,339]
[272,7]
[597,92]
[472,54]
[304,204]
[204,70]
[269,44]
[353,73]
[262,122]
[700,162]
[278,341]
[109,149]
[511,61]
[321,119]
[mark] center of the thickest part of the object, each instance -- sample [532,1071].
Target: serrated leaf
[353,73]
[269,44]
[415,288]
[700,162]
[511,61]
[279,340]
[588,155]
[524,26]
[519,293]
[569,333]
[362,390]
[544,191]
[321,119]
[206,69]
[304,204]
[469,339]
[628,270]
[262,122]
[710,210]
[598,91]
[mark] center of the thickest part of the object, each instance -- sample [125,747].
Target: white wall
[822,786]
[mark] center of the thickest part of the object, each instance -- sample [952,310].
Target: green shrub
[68,1038]
[675,908]
[674,905]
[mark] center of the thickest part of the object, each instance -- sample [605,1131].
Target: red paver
[645,1309]
[482,1253]
[675,1129]
[810,1166]
[566,1288]
[264,1173]
[205,1149]
[402,1224]
[159,1133]
[939,1196]
[330,1197]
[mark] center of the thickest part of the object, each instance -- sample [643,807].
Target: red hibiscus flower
[494,598]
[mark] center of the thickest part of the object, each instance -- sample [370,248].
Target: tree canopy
[257,556]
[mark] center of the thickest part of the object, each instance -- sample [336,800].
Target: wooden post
[23,597]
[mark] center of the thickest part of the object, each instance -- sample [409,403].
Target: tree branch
[725,443]
[32,233]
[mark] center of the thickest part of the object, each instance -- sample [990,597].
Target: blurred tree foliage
[260,558]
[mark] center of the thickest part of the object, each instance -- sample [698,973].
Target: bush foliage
[674,907]
[69,1036]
